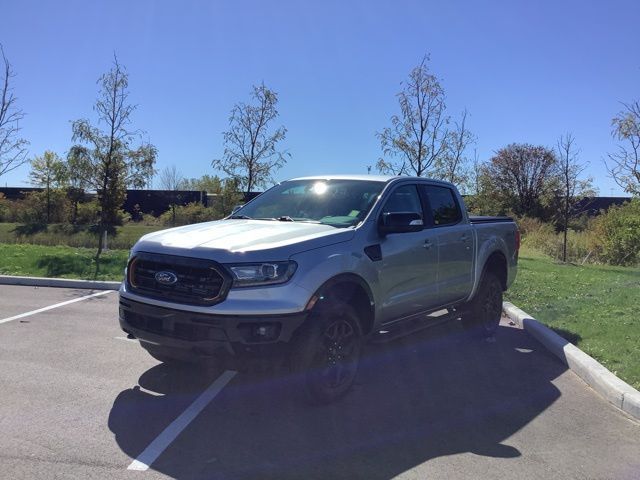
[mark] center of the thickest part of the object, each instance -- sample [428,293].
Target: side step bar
[401,328]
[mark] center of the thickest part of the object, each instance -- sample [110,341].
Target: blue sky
[526,71]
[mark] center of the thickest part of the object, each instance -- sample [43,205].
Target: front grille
[199,282]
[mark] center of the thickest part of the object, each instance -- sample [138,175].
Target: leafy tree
[489,198]
[420,141]
[111,158]
[76,183]
[251,153]
[624,165]
[48,172]
[229,196]
[13,148]
[206,183]
[572,187]
[522,175]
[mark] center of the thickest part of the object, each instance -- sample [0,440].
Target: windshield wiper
[240,217]
[285,218]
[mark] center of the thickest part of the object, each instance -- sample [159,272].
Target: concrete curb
[619,393]
[58,282]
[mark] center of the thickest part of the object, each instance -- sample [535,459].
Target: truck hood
[228,241]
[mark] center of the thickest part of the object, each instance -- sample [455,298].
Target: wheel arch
[496,263]
[351,289]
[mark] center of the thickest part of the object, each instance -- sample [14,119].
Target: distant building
[151,202]
[592,206]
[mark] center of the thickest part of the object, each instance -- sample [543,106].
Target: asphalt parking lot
[79,400]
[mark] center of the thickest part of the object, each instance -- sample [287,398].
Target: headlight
[267,273]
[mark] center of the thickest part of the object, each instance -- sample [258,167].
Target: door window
[403,199]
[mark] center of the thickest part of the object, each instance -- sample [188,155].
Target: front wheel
[326,353]
[485,309]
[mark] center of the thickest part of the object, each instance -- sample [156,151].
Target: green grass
[54,234]
[63,262]
[593,306]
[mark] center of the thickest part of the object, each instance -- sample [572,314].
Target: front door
[408,270]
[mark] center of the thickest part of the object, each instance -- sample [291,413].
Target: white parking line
[51,307]
[169,434]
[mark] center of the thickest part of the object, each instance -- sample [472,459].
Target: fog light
[266,332]
[259,332]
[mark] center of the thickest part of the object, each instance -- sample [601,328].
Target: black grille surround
[199,281]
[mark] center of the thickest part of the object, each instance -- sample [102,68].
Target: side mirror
[236,208]
[400,222]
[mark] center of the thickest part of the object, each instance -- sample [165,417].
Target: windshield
[339,203]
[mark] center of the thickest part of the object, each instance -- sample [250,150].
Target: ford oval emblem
[166,278]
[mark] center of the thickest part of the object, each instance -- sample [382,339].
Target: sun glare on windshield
[319,188]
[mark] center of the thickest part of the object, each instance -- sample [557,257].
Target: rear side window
[444,207]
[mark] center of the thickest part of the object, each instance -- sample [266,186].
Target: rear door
[408,271]
[454,237]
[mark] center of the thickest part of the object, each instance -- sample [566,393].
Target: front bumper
[204,335]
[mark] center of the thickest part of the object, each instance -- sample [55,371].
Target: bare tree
[624,165]
[170,178]
[107,159]
[13,148]
[251,152]
[572,187]
[476,171]
[453,166]
[418,136]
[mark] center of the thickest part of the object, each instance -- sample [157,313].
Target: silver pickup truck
[313,267]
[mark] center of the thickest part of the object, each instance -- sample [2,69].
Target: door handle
[464,237]
[427,244]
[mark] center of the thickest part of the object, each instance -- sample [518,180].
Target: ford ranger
[311,269]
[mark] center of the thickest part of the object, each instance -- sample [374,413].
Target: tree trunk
[48,205]
[101,229]
[565,226]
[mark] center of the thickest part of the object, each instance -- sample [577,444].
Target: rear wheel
[326,353]
[485,309]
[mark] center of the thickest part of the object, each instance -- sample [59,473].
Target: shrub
[6,208]
[184,215]
[33,208]
[618,234]
[88,213]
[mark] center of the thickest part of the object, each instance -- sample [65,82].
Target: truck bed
[481,219]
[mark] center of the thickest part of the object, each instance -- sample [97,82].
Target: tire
[326,354]
[485,310]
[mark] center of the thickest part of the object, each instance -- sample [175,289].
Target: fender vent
[373,252]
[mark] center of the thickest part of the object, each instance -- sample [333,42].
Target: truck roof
[370,178]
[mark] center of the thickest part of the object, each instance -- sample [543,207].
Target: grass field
[593,306]
[63,262]
[53,235]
